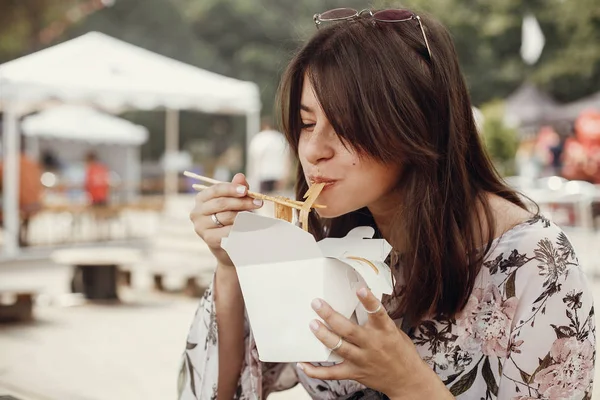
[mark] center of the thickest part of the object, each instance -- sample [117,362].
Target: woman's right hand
[223,201]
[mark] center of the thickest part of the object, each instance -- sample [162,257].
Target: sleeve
[553,339]
[198,374]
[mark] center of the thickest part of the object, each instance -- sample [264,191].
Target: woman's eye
[306,126]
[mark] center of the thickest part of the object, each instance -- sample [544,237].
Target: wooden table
[96,270]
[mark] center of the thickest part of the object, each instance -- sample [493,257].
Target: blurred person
[556,152]
[547,138]
[30,192]
[97,180]
[526,160]
[375,106]
[50,161]
[268,159]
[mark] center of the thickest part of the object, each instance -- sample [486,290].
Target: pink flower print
[571,372]
[484,324]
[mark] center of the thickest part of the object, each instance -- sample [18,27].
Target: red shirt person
[96,180]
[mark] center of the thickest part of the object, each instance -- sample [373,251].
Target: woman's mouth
[328,182]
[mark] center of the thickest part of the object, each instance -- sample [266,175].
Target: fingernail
[257,202]
[316,304]
[362,292]
[299,365]
[241,189]
[314,325]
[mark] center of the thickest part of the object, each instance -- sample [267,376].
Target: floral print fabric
[527,332]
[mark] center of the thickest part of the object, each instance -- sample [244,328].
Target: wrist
[425,385]
[226,274]
[227,279]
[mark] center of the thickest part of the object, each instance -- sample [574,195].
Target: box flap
[357,243]
[365,255]
[256,239]
[376,275]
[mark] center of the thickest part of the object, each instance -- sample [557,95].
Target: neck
[383,212]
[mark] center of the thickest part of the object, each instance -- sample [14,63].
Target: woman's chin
[330,212]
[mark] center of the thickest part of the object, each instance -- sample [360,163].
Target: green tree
[22,21]
[487,35]
[500,141]
[254,40]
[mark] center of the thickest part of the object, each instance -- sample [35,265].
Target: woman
[490,301]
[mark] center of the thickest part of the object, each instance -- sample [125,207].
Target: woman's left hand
[378,354]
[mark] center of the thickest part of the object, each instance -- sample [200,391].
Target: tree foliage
[500,141]
[22,21]
[253,40]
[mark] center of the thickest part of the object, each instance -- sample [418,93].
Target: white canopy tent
[73,130]
[82,123]
[108,73]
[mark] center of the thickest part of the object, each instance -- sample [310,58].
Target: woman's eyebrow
[306,108]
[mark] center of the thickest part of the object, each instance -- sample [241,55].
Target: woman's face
[353,182]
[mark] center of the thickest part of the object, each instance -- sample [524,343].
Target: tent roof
[96,68]
[83,124]
[528,105]
[571,111]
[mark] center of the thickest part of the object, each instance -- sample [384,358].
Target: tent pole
[171,149]
[252,128]
[10,178]
[132,189]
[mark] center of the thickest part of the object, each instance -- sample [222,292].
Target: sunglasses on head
[389,16]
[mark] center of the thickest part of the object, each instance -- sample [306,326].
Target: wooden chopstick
[280,200]
[259,196]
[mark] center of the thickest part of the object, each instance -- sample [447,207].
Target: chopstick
[275,199]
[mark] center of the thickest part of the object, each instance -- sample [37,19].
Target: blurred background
[104,103]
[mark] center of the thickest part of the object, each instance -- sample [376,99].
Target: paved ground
[81,351]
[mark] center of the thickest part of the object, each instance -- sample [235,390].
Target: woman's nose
[318,146]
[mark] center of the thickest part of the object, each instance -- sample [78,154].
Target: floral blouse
[527,332]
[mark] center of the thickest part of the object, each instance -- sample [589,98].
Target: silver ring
[338,345]
[216,220]
[375,311]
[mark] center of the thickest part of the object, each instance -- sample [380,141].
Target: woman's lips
[320,179]
[328,182]
[328,185]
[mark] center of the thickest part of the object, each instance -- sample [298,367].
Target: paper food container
[281,269]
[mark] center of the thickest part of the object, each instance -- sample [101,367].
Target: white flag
[532,40]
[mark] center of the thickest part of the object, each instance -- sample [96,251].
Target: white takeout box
[281,269]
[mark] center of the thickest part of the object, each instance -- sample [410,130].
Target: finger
[225,204]
[377,313]
[225,218]
[222,190]
[341,371]
[213,237]
[339,324]
[240,179]
[346,350]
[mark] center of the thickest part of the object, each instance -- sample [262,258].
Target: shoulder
[531,236]
[534,258]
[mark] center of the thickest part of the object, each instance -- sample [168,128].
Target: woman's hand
[378,354]
[215,211]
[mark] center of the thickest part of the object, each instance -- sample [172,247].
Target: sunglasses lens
[338,13]
[393,15]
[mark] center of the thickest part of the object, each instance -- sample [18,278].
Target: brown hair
[387,98]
